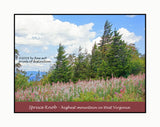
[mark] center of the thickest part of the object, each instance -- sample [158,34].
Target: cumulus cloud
[90,46]
[85,45]
[45,48]
[42,30]
[97,40]
[129,37]
[26,50]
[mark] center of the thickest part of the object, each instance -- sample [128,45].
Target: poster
[80,63]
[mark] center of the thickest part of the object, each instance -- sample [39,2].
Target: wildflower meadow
[131,89]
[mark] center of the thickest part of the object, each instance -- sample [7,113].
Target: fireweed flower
[120,95]
[17,95]
[32,95]
[122,90]
[116,93]
[102,88]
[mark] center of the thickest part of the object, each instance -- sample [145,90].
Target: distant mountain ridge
[32,75]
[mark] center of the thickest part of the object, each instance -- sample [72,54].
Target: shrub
[21,81]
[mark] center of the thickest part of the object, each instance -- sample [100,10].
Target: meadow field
[131,89]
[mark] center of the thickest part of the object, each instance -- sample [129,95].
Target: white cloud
[85,45]
[130,16]
[97,40]
[91,44]
[129,37]
[42,30]
[45,48]
[26,50]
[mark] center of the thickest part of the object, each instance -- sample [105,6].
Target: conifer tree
[106,38]
[107,35]
[95,61]
[62,72]
[118,57]
[81,69]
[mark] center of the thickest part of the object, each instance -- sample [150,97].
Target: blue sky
[39,35]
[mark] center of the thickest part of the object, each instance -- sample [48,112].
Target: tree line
[111,57]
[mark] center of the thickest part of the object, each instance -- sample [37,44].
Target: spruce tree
[107,35]
[118,57]
[105,46]
[62,71]
[106,38]
[81,69]
[95,62]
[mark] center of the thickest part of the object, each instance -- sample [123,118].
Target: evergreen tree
[71,58]
[81,69]
[107,35]
[118,57]
[95,62]
[106,38]
[62,72]
[87,59]
[105,46]
[103,70]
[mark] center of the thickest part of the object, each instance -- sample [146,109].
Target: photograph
[80,63]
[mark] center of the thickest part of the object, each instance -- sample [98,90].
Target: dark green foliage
[62,71]
[96,60]
[21,81]
[118,57]
[107,35]
[137,61]
[82,66]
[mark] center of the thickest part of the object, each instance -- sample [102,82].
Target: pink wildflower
[116,93]
[32,95]
[17,95]
[122,90]
[120,95]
